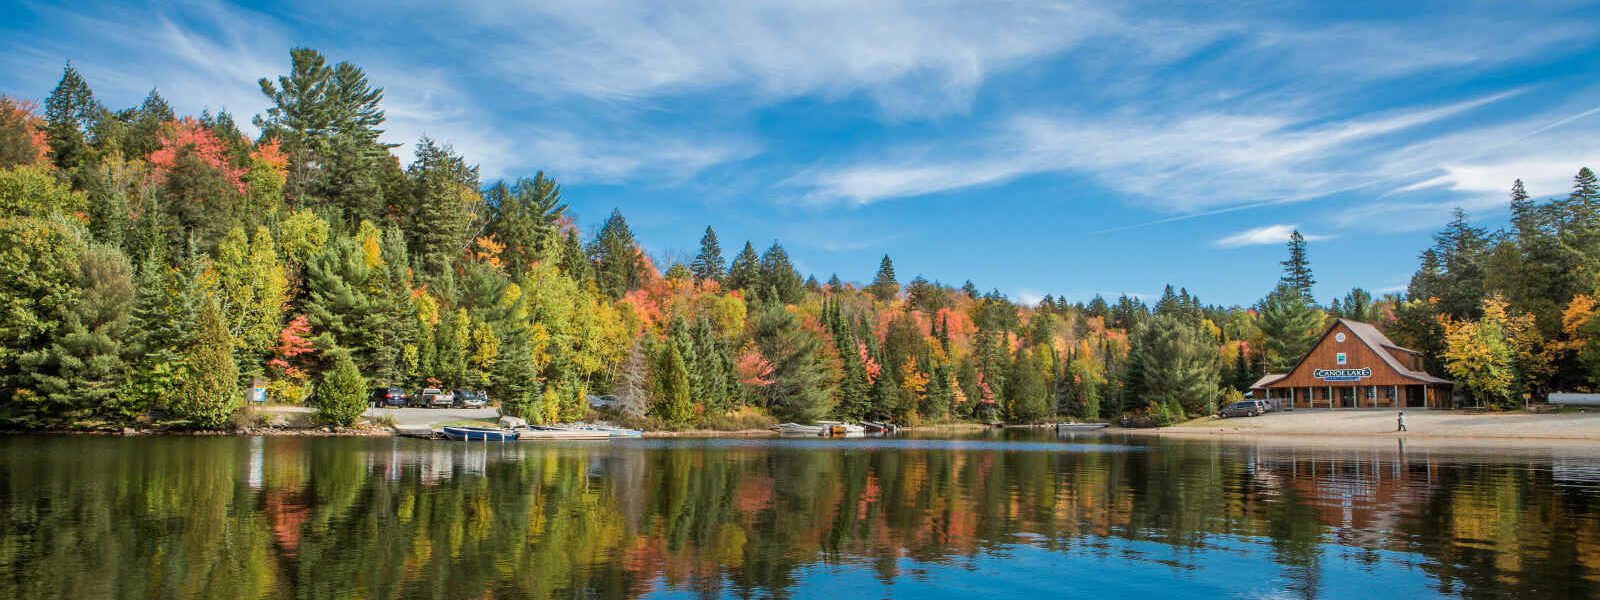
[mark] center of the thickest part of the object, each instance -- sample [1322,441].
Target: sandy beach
[1381,423]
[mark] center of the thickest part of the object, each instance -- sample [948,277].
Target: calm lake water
[1022,514]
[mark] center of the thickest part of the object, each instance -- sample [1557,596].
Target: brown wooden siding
[1357,355]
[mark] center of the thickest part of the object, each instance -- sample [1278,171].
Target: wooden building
[1353,365]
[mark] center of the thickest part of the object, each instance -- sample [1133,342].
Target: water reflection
[390,518]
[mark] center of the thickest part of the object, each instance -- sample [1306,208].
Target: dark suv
[1247,408]
[387,397]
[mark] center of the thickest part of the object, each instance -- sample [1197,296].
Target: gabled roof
[1376,341]
[1268,379]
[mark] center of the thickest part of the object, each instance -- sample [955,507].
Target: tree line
[156,264]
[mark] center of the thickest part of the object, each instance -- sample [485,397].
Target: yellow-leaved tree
[1479,354]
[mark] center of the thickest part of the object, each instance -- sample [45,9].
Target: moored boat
[841,429]
[798,429]
[480,434]
[538,433]
[1080,426]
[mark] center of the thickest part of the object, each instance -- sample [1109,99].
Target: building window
[1339,358]
[1339,337]
[1372,393]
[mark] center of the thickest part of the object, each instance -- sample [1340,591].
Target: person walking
[1401,421]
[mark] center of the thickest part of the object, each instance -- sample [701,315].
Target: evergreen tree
[708,265]
[1297,268]
[745,272]
[1290,325]
[208,390]
[342,397]
[444,205]
[779,275]
[1462,250]
[327,118]
[78,376]
[802,382]
[526,217]
[70,113]
[884,285]
[672,404]
[615,255]
[1026,394]
[1179,369]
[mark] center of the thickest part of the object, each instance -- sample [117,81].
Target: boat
[838,428]
[537,433]
[480,434]
[610,430]
[1080,426]
[884,428]
[798,429]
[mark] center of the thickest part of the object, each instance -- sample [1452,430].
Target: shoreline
[1381,425]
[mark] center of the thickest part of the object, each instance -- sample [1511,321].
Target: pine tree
[884,286]
[328,118]
[802,383]
[780,276]
[526,217]
[1524,213]
[1179,368]
[615,255]
[70,113]
[342,396]
[672,404]
[444,205]
[208,390]
[1290,325]
[708,265]
[1297,268]
[745,272]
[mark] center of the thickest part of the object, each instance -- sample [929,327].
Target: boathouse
[1353,365]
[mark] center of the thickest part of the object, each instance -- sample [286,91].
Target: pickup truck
[436,398]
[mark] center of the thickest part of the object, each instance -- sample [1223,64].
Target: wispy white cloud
[1269,234]
[1182,163]
[911,59]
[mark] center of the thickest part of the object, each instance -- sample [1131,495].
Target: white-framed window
[1339,337]
[1339,358]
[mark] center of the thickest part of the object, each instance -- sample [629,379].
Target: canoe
[539,435]
[798,429]
[480,434]
[1080,426]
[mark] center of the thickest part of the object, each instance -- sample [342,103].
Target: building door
[1414,397]
[1347,397]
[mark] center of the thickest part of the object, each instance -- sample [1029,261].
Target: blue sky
[1033,147]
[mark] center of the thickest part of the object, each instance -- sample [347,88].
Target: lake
[1001,514]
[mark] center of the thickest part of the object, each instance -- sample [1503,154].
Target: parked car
[1247,408]
[471,399]
[388,397]
[435,398]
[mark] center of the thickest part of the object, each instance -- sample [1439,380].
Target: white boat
[798,429]
[610,430]
[839,428]
[537,434]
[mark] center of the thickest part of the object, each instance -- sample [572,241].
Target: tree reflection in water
[391,518]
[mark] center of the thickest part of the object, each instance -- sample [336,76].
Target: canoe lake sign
[1342,374]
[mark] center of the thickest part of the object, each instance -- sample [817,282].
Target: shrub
[341,398]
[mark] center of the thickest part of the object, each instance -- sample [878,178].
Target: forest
[155,266]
